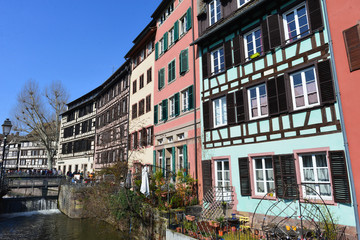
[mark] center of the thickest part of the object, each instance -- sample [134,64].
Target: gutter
[346,144]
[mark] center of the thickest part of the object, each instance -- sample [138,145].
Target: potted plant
[190,218]
[214,224]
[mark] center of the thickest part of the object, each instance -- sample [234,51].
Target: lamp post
[6,130]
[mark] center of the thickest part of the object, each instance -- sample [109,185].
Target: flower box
[190,218]
[214,224]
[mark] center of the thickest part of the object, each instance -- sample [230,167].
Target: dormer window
[215,11]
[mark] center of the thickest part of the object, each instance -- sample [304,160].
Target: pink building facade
[177,145]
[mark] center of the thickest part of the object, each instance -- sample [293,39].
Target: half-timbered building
[270,116]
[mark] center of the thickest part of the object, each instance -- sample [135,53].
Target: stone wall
[71,201]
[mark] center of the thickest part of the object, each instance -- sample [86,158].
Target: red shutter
[352,45]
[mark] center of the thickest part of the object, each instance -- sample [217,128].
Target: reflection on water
[51,224]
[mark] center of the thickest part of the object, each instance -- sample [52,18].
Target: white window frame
[217,60]
[169,67]
[222,112]
[149,136]
[185,100]
[172,106]
[225,193]
[160,159]
[180,158]
[171,36]
[160,112]
[242,4]
[216,4]
[285,23]
[305,91]
[182,25]
[316,181]
[264,181]
[161,45]
[247,56]
[258,107]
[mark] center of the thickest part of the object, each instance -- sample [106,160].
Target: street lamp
[6,130]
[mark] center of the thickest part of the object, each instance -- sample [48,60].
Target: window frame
[171,36]
[257,87]
[223,111]
[246,51]
[172,106]
[316,182]
[219,63]
[305,91]
[265,181]
[185,100]
[241,5]
[182,25]
[172,70]
[297,28]
[217,7]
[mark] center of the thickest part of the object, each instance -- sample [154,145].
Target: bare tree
[37,113]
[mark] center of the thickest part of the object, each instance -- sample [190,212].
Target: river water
[53,225]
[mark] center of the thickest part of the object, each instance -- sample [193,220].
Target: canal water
[53,225]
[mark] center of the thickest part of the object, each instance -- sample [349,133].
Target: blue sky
[79,42]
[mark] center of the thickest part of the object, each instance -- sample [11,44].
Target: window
[215,11]
[182,25]
[296,24]
[184,64]
[171,36]
[134,140]
[150,47]
[257,99]
[220,112]
[171,71]
[160,112]
[134,111]
[161,76]
[141,81]
[134,86]
[149,136]
[217,61]
[160,159]
[148,103]
[315,175]
[180,136]
[148,76]
[180,158]
[242,2]
[162,45]
[304,88]
[172,107]
[141,107]
[222,179]
[263,175]
[185,100]
[169,139]
[253,43]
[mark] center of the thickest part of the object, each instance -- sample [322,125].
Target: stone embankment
[71,201]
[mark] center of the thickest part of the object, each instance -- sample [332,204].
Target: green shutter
[164,106]
[176,31]
[177,104]
[159,79]
[156,114]
[154,162]
[183,61]
[162,77]
[163,162]
[188,19]
[156,51]
[185,159]
[191,97]
[173,162]
[165,41]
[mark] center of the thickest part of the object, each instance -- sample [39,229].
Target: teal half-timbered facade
[270,117]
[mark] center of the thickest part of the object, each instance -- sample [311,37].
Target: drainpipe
[346,144]
[194,95]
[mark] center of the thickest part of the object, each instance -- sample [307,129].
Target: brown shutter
[327,93]
[207,176]
[339,175]
[228,54]
[285,176]
[205,69]
[274,31]
[207,115]
[265,36]
[240,108]
[245,186]
[230,104]
[315,15]
[276,91]
[352,45]
[237,50]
